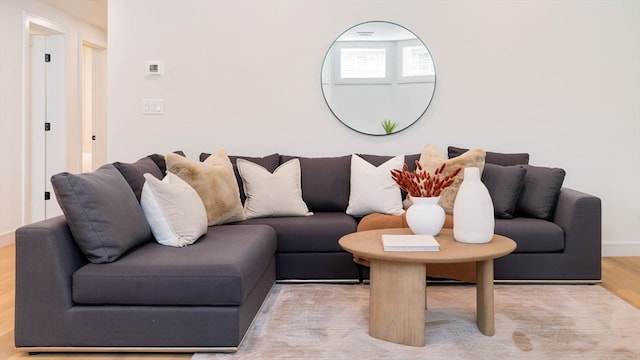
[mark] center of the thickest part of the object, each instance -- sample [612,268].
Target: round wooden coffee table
[397,281]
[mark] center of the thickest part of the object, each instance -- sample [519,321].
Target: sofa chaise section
[196,298]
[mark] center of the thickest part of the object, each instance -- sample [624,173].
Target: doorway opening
[94,94]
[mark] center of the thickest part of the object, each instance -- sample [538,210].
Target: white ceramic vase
[473,217]
[425,216]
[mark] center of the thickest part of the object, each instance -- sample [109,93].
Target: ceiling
[93,12]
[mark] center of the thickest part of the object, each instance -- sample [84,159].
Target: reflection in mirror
[378,78]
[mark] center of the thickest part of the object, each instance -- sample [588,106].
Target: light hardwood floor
[620,275]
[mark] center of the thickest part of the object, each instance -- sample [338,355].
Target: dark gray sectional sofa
[203,297]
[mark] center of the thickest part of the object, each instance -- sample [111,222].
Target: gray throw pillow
[103,214]
[540,191]
[504,184]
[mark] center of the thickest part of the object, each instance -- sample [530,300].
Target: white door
[47,122]
[35,192]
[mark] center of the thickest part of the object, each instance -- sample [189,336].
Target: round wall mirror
[378,78]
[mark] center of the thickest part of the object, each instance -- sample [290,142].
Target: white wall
[13,14]
[557,79]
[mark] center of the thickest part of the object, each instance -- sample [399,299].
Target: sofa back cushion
[103,214]
[377,160]
[504,184]
[540,190]
[134,172]
[159,160]
[325,181]
[410,160]
[504,159]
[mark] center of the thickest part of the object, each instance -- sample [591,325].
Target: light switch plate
[153,106]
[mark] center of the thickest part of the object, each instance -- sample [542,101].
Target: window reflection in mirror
[378,78]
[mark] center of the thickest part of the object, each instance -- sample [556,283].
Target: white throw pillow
[173,209]
[272,194]
[372,188]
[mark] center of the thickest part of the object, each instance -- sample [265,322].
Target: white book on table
[409,243]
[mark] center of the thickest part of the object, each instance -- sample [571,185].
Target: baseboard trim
[621,249]
[7,238]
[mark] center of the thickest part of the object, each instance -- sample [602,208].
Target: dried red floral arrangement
[420,183]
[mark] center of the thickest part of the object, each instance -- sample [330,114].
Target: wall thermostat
[154,68]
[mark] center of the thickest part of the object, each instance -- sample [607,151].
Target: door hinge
[47,57]
[47,195]
[47,126]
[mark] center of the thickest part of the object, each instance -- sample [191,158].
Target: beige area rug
[327,321]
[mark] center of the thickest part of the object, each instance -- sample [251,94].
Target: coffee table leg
[484,297]
[396,302]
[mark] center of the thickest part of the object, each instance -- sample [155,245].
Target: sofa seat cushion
[221,268]
[531,235]
[316,233]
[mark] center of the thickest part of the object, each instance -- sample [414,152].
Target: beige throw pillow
[215,182]
[272,194]
[431,159]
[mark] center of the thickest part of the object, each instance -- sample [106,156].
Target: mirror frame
[323,81]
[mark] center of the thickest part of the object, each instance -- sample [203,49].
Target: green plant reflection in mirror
[378,78]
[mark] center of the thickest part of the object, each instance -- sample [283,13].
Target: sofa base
[552,282]
[319,281]
[169,350]
[316,266]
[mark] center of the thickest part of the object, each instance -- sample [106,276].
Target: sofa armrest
[46,258]
[580,217]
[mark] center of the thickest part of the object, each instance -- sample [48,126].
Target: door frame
[35,25]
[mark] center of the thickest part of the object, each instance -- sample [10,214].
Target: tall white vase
[425,216]
[473,217]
